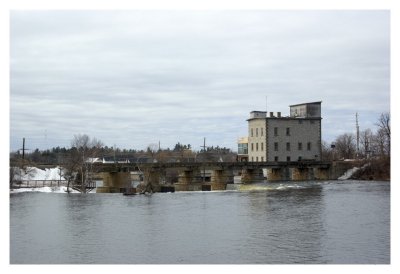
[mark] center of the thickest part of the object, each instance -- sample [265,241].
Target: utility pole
[115,160]
[204,168]
[23,148]
[358,136]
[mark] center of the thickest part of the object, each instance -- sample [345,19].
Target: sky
[133,78]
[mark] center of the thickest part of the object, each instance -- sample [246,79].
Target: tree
[345,146]
[327,151]
[152,150]
[78,167]
[366,142]
[384,132]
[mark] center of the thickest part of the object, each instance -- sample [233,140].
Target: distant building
[292,138]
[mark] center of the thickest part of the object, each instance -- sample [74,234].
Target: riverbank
[374,169]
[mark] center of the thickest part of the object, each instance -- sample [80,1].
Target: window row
[256,159]
[276,131]
[276,159]
[256,131]
[288,146]
[256,146]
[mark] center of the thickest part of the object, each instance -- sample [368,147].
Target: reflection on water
[266,223]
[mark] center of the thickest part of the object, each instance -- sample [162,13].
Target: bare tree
[384,132]
[327,151]
[79,165]
[152,150]
[380,143]
[19,168]
[345,146]
[366,141]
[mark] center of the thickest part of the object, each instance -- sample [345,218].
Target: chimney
[271,114]
[279,114]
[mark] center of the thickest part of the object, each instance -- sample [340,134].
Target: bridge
[191,175]
[110,167]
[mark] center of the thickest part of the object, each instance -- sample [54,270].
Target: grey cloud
[182,75]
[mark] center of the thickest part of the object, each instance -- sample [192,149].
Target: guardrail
[39,183]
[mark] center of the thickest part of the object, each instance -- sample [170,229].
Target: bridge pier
[220,178]
[250,175]
[277,174]
[189,180]
[115,182]
[321,173]
[300,174]
[152,179]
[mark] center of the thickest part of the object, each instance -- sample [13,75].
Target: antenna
[266,104]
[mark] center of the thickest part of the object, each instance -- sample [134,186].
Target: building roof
[243,140]
[318,102]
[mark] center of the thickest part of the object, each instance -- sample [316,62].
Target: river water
[334,222]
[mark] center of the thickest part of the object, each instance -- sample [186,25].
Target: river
[332,222]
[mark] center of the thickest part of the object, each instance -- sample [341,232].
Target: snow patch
[46,189]
[348,173]
[34,173]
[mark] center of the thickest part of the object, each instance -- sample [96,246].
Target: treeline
[372,151]
[179,152]
[370,144]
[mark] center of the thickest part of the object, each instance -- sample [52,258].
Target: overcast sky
[133,78]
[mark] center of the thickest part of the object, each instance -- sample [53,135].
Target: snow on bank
[351,171]
[46,189]
[33,173]
[348,173]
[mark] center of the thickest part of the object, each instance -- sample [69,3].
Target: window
[256,132]
[251,132]
[309,146]
[256,159]
[276,146]
[288,159]
[262,146]
[287,146]
[242,149]
[256,146]
[275,131]
[276,159]
[252,159]
[262,131]
[288,131]
[262,159]
[300,146]
[252,146]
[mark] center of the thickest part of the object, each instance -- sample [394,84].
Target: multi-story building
[292,138]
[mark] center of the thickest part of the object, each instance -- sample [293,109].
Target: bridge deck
[211,165]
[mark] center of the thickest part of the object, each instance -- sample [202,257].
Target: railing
[39,183]
[212,165]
